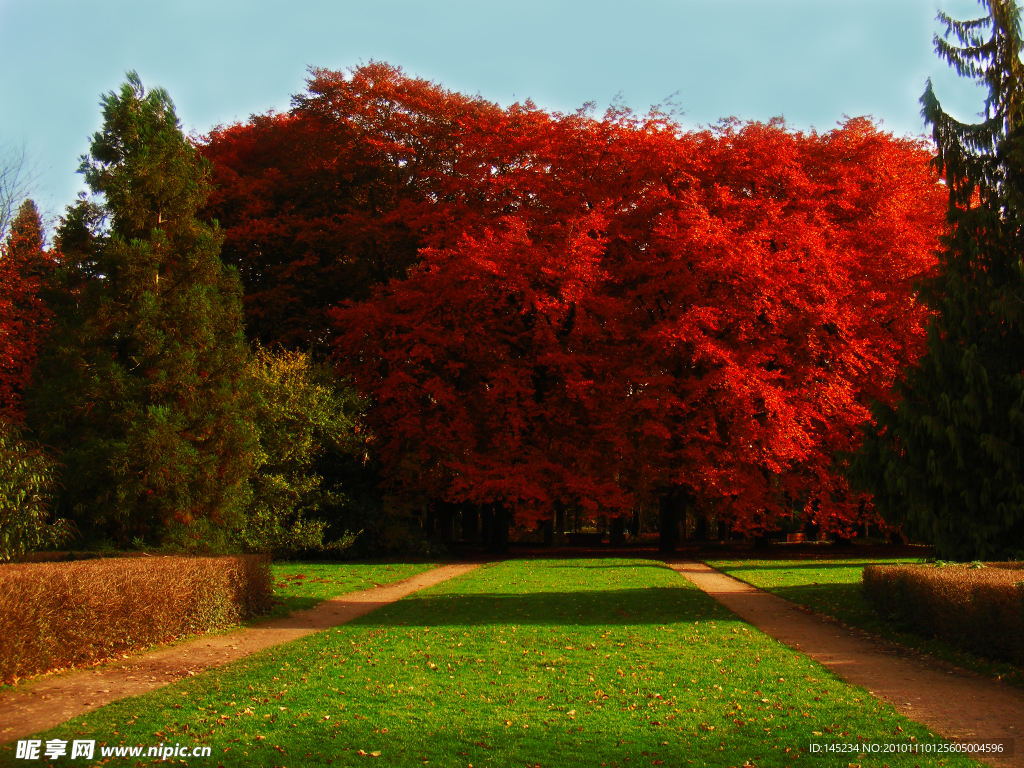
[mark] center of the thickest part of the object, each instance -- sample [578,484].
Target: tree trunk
[617,537]
[549,532]
[812,531]
[471,523]
[670,505]
[486,523]
[703,524]
[444,521]
[499,528]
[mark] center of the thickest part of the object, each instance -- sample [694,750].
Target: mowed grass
[828,587]
[546,663]
[303,585]
[833,588]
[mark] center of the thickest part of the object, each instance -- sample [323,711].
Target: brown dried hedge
[55,615]
[980,610]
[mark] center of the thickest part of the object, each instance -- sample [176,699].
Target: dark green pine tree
[947,463]
[142,388]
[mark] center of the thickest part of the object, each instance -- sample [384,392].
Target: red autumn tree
[555,309]
[476,397]
[24,319]
[322,203]
[750,292]
[776,302]
[489,364]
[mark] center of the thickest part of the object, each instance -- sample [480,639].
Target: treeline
[133,402]
[394,303]
[553,312]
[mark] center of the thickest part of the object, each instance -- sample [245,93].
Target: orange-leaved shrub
[978,609]
[55,615]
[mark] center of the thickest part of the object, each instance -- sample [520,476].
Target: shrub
[304,416]
[55,615]
[977,608]
[26,487]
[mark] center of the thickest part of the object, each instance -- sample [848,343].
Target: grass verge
[550,663]
[833,588]
[299,586]
[296,586]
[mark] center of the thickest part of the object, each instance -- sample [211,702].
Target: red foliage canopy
[555,308]
[774,303]
[321,204]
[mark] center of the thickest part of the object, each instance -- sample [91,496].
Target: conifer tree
[142,389]
[24,317]
[947,460]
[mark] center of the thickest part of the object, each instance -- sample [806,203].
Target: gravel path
[951,701]
[34,707]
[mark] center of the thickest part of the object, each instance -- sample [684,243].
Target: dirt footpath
[37,706]
[951,701]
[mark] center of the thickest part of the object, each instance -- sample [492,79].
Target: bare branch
[18,176]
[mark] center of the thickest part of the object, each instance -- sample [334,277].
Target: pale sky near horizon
[811,61]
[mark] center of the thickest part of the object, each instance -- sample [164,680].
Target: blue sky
[809,60]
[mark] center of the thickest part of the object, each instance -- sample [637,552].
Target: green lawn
[545,663]
[828,587]
[303,585]
[833,588]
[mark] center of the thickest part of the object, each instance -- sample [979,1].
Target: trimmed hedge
[55,615]
[978,609]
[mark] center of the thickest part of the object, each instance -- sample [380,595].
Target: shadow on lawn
[655,564]
[802,594]
[808,565]
[652,606]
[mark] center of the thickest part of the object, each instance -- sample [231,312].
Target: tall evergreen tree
[142,389]
[23,315]
[947,460]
